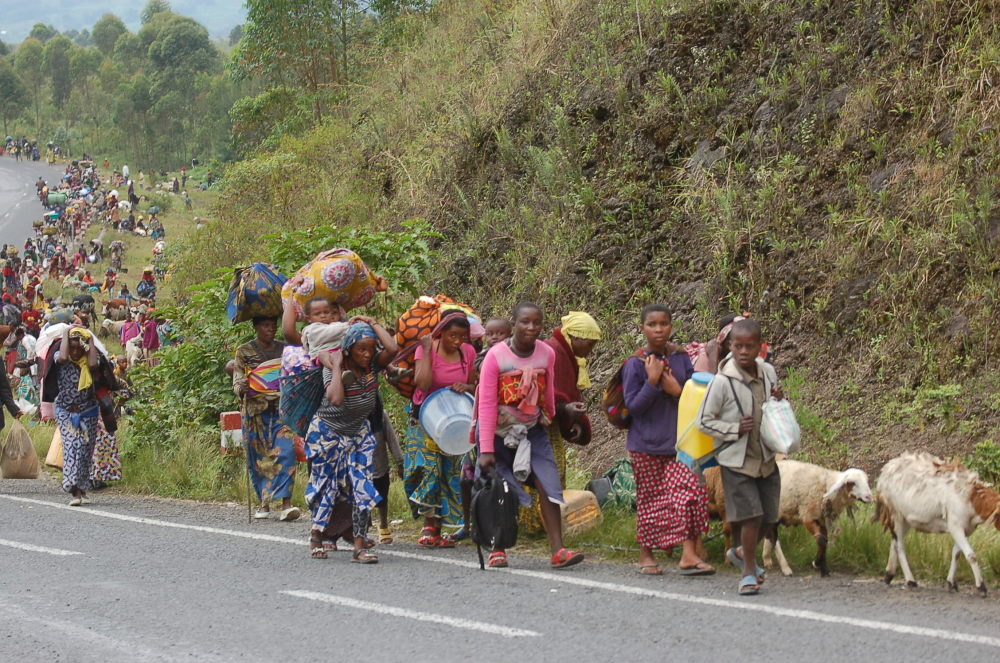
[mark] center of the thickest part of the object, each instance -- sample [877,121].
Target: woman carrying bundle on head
[516,404]
[76,408]
[340,441]
[268,442]
[432,479]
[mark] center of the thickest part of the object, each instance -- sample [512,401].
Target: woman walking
[432,479]
[340,441]
[516,404]
[572,343]
[672,508]
[268,442]
[76,408]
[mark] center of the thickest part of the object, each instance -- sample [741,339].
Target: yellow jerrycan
[692,444]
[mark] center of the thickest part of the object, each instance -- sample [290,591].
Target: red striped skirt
[671,506]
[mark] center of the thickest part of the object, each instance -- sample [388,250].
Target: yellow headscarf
[86,379]
[577,324]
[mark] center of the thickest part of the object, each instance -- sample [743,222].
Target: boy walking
[731,413]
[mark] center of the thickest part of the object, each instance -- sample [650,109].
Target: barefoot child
[516,404]
[731,413]
[672,507]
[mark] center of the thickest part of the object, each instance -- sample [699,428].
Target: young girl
[672,506]
[432,480]
[516,404]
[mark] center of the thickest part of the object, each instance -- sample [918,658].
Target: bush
[985,459]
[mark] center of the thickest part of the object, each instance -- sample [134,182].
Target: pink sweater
[499,360]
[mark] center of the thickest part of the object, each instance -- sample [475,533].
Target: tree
[42,32]
[128,51]
[28,62]
[290,42]
[152,8]
[235,34]
[266,117]
[4,49]
[12,94]
[106,32]
[56,58]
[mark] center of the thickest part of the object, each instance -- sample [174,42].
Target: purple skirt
[543,466]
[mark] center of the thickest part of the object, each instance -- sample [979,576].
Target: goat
[923,492]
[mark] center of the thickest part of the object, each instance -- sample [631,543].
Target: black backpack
[494,515]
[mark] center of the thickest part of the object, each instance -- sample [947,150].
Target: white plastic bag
[779,430]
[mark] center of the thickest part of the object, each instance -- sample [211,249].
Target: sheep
[815,497]
[111,328]
[922,492]
[810,495]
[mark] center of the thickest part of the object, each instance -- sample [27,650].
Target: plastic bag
[779,430]
[19,460]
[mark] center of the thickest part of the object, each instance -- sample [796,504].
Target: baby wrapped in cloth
[302,376]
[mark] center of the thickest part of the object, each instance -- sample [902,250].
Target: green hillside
[829,166]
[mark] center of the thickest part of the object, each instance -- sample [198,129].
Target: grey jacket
[728,398]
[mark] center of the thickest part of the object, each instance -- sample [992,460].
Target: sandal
[384,535]
[565,558]
[330,546]
[364,557]
[317,549]
[461,535]
[432,539]
[749,586]
[650,570]
[699,569]
[498,560]
[733,559]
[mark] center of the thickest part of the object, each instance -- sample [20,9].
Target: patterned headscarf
[357,332]
[577,324]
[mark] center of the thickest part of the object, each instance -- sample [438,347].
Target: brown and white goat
[923,492]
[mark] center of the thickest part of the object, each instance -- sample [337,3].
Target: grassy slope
[830,166]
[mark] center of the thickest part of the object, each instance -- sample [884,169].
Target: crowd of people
[528,400]
[528,407]
[58,367]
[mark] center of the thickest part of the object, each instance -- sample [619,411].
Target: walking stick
[246,450]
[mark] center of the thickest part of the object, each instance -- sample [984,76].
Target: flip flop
[701,569]
[738,563]
[749,586]
[290,514]
[650,570]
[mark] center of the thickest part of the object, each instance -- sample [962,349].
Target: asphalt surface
[140,579]
[19,204]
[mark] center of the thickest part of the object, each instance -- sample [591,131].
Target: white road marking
[39,549]
[750,605]
[457,622]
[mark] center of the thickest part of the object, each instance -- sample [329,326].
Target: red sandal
[564,558]
[432,539]
[498,560]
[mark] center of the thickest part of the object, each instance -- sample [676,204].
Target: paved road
[19,204]
[130,579]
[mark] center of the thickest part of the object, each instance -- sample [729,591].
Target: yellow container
[692,444]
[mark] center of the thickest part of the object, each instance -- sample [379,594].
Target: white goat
[923,492]
[815,497]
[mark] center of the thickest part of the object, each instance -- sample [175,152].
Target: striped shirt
[349,417]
